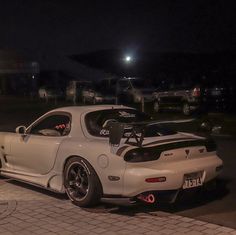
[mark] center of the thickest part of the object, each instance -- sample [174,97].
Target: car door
[35,152]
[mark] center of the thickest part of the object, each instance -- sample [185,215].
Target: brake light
[196,92]
[155,180]
[141,155]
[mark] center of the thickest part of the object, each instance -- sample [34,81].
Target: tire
[186,109]
[81,183]
[156,106]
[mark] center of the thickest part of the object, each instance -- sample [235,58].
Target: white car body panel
[33,153]
[40,160]
[173,170]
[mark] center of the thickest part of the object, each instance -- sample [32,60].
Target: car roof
[88,108]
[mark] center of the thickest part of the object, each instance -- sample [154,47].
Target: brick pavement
[26,210]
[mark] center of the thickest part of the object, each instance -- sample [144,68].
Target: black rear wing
[137,131]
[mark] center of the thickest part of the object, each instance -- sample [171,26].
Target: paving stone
[195,233]
[183,230]
[197,228]
[210,231]
[33,212]
[225,229]
[151,233]
[166,231]
[185,219]
[212,226]
[185,224]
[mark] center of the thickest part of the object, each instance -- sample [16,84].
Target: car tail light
[156,180]
[141,155]
[196,92]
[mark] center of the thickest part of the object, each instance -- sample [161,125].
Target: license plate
[193,180]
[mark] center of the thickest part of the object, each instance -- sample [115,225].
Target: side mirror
[21,130]
[116,131]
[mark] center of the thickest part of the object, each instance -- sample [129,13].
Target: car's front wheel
[81,182]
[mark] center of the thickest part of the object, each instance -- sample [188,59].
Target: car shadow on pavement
[188,199]
[196,198]
[42,190]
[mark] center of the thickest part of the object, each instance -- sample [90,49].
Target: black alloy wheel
[81,182]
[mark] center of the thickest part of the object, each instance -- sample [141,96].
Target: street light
[128,59]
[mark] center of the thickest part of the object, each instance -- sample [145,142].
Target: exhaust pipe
[150,198]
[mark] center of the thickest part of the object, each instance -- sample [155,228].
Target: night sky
[38,28]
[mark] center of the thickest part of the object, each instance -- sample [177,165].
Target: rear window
[96,122]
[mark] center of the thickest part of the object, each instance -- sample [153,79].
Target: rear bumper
[163,196]
[134,178]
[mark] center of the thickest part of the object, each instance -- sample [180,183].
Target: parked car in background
[107,90]
[133,90]
[185,97]
[216,96]
[47,93]
[190,96]
[91,92]
[75,89]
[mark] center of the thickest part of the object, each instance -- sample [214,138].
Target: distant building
[18,76]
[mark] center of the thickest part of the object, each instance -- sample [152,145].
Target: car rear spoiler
[116,131]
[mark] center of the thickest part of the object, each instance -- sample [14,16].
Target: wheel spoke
[77,182]
[74,193]
[84,179]
[83,189]
[80,173]
[72,182]
[72,172]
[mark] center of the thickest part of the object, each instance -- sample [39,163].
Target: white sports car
[107,151]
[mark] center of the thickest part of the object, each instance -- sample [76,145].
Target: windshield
[97,122]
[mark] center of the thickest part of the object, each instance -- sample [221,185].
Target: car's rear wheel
[81,182]
[186,109]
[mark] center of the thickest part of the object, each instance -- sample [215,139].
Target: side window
[55,125]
